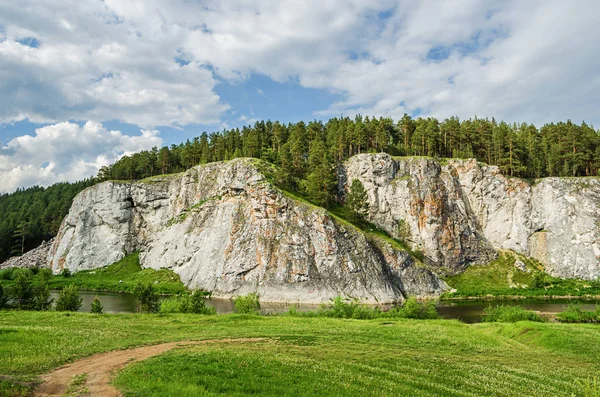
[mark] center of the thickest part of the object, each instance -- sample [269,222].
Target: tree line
[33,215]
[307,155]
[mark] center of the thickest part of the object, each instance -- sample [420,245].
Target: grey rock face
[222,227]
[459,211]
[37,257]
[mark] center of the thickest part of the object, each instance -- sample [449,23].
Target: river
[467,311]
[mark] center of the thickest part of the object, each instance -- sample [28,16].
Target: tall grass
[575,314]
[341,307]
[509,314]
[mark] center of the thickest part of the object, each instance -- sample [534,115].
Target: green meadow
[308,355]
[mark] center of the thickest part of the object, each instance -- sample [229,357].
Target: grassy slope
[127,270]
[312,355]
[501,279]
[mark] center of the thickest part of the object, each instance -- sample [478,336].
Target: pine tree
[22,232]
[96,306]
[321,182]
[41,296]
[69,299]
[147,298]
[357,202]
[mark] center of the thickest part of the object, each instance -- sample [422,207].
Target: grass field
[308,356]
[500,278]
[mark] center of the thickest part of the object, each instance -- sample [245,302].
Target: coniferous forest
[307,155]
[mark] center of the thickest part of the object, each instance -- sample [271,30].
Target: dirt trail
[101,367]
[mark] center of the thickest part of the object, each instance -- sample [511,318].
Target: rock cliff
[224,228]
[458,212]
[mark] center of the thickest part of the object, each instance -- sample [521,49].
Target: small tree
[147,298]
[23,289]
[69,299]
[357,202]
[22,232]
[96,306]
[198,303]
[41,296]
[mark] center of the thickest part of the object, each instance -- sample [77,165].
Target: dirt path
[97,370]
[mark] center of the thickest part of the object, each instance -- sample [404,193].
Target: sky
[84,82]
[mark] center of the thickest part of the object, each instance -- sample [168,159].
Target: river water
[467,311]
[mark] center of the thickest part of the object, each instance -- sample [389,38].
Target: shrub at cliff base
[247,304]
[187,303]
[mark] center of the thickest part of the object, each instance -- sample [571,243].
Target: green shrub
[575,314]
[66,273]
[341,307]
[539,280]
[22,289]
[172,304]
[3,297]
[45,273]
[41,296]
[69,299]
[414,309]
[96,306]
[197,303]
[187,303]
[7,274]
[248,304]
[147,298]
[509,314]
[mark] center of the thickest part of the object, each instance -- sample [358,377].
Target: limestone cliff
[224,228]
[457,212]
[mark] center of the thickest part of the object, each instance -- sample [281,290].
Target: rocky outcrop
[457,212]
[224,228]
[37,257]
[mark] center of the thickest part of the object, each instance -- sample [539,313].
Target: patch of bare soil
[96,371]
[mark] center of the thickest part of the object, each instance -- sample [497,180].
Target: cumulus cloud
[66,151]
[157,62]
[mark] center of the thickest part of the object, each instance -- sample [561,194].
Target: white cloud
[66,151]
[157,62]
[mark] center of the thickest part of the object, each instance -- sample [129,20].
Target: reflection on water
[467,311]
[113,302]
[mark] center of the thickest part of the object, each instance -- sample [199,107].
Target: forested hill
[30,216]
[307,153]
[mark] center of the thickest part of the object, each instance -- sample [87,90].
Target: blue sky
[257,98]
[84,82]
